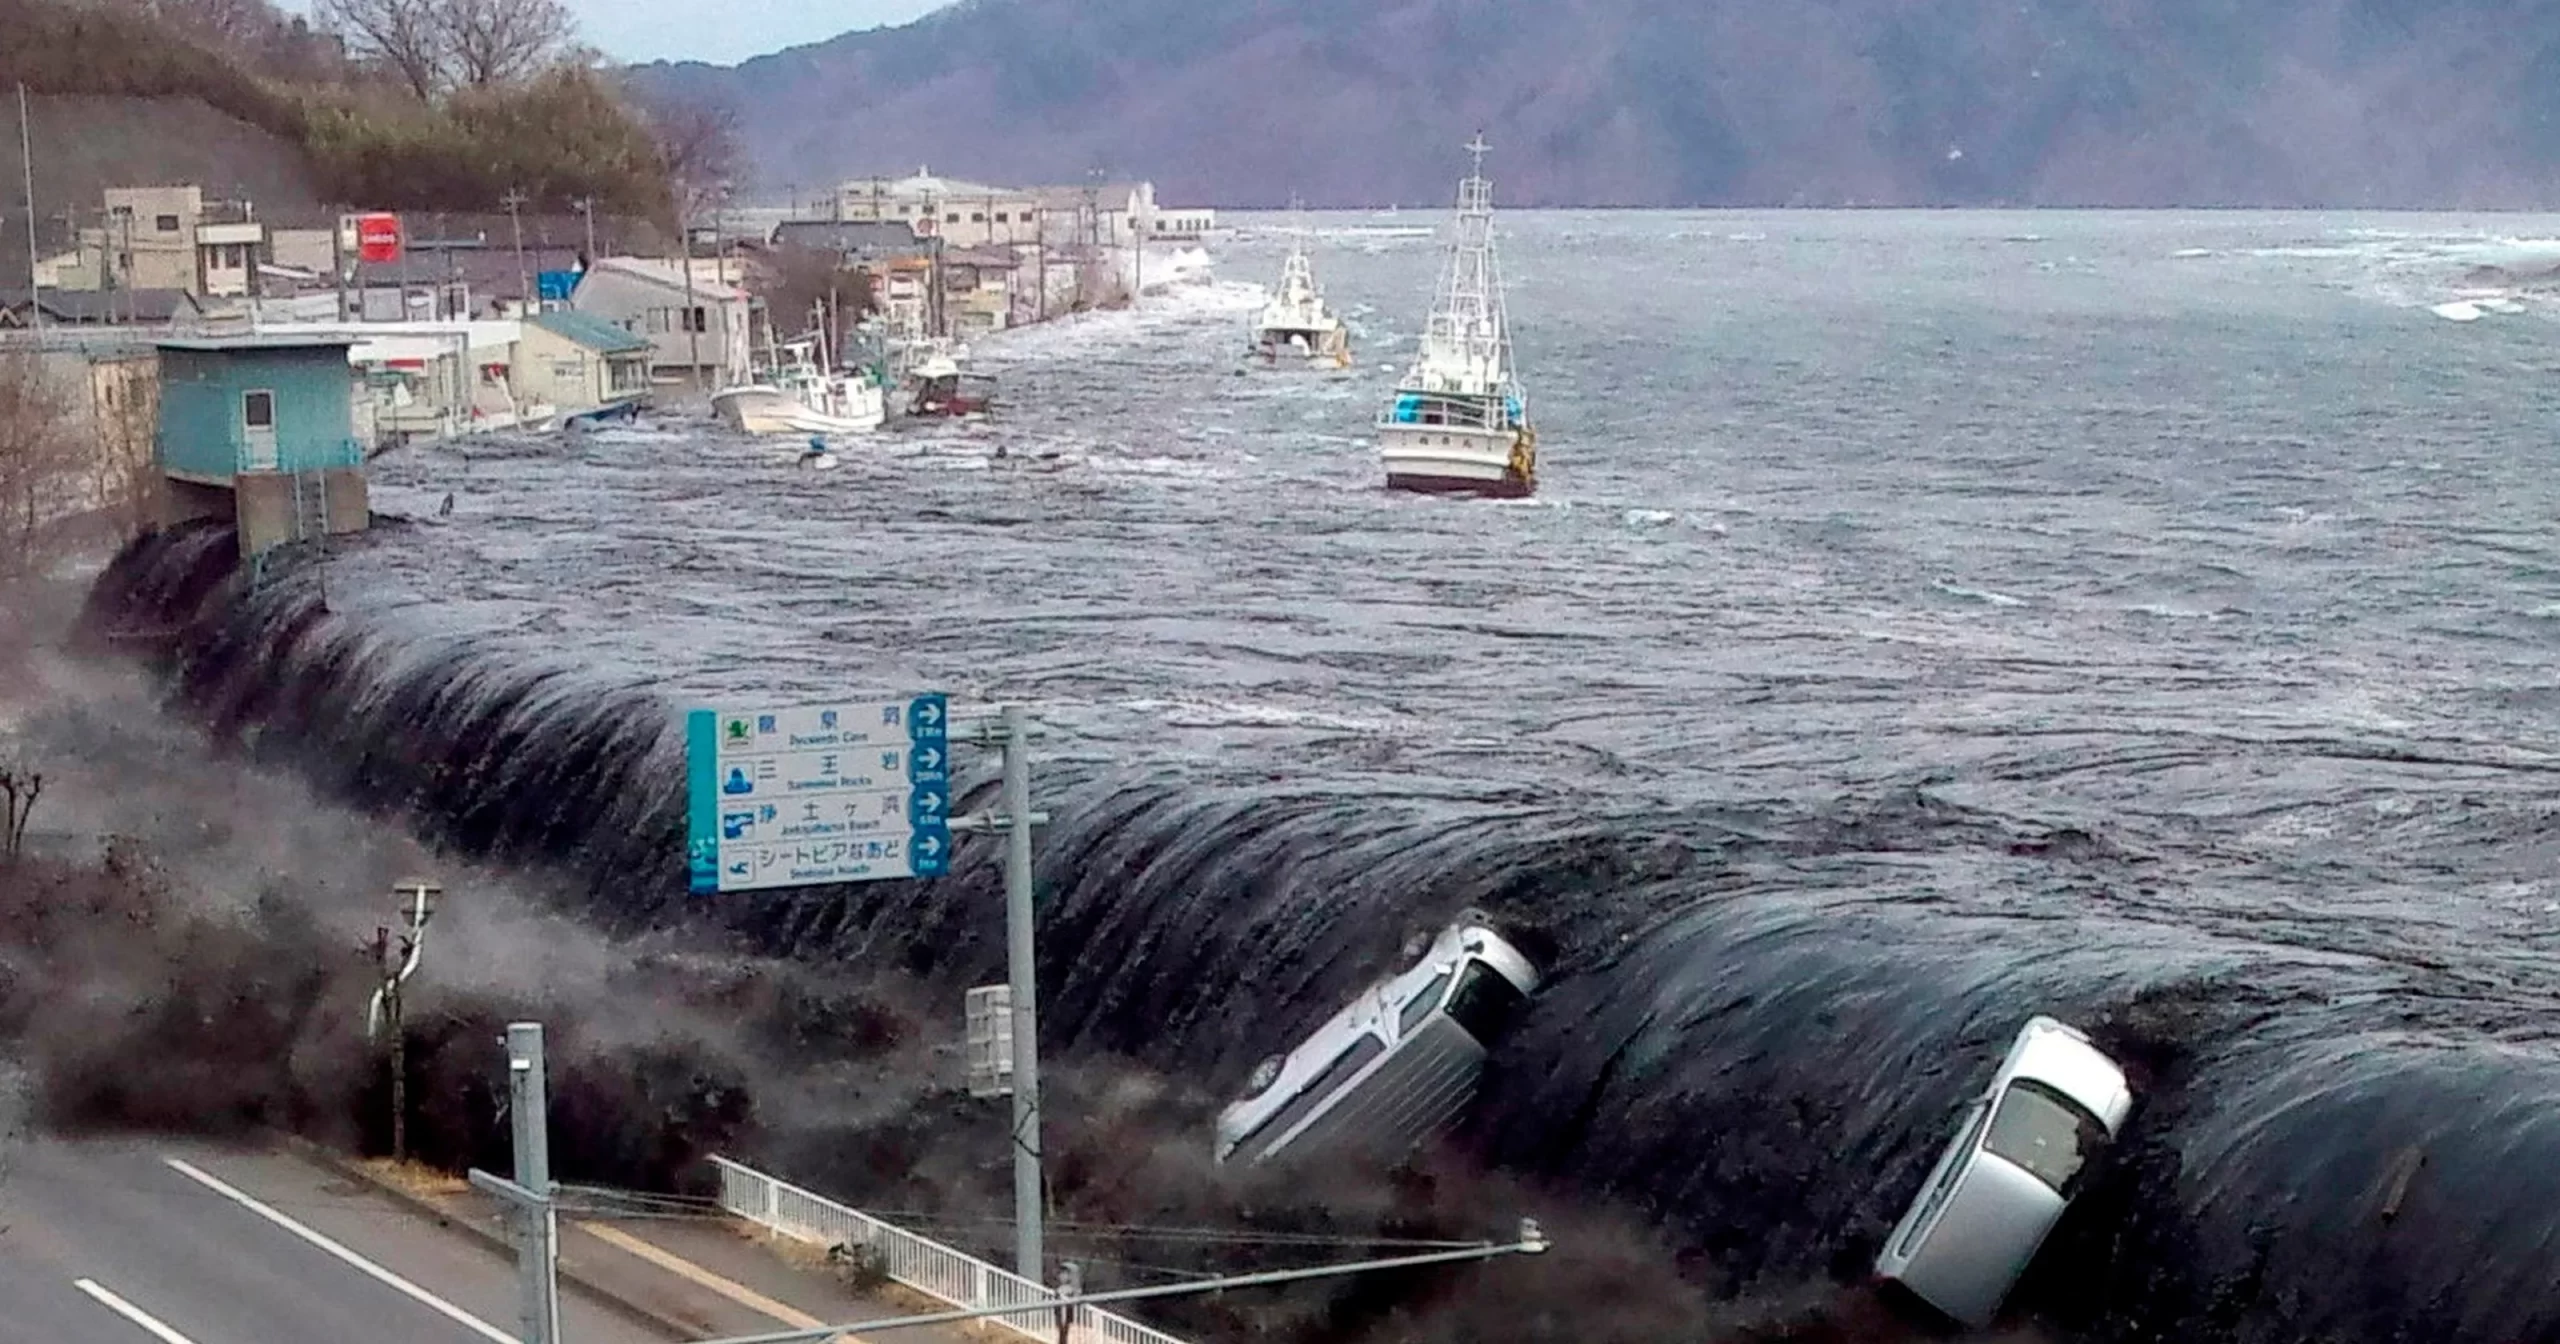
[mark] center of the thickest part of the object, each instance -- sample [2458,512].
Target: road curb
[346,1168]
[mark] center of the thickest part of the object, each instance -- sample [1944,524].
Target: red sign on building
[378,237]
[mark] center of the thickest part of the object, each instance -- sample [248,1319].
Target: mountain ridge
[2339,103]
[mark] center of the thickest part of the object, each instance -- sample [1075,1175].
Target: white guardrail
[927,1266]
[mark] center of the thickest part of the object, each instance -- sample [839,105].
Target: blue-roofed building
[262,429]
[587,367]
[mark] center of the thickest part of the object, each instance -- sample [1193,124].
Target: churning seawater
[1925,620]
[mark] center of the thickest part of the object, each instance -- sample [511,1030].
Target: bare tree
[19,790]
[490,42]
[699,146]
[236,27]
[406,37]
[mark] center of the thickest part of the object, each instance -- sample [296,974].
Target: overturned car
[1396,1065]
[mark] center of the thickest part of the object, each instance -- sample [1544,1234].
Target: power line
[1139,1231]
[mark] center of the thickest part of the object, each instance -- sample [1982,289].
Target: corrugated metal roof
[671,275]
[589,330]
[94,305]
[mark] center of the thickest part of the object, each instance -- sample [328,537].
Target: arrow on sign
[928,758]
[928,712]
[929,804]
[929,846]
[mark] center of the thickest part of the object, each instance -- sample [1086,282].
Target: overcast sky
[725,33]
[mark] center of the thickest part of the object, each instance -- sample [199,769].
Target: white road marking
[150,1324]
[431,1301]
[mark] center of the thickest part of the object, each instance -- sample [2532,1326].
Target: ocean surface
[1925,620]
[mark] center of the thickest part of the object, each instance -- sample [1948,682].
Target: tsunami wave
[1760,1020]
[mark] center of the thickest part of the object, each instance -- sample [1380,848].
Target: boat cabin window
[2047,1133]
[1424,1002]
[1314,1094]
[1485,1002]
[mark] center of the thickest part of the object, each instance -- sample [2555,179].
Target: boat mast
[1467,323]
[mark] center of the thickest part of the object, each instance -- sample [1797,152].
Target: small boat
[797,393]
[938,385]
[1458,422]
[817,456]
[1296,321]
[626,411]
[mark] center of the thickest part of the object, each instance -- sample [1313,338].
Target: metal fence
[927,1266]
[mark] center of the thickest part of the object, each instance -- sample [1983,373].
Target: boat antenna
[1478,148]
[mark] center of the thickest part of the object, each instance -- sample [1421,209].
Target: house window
[166,223]
[977,217]
[1000,217]
[661,321]
[952,218]
[258,410]
[697,321]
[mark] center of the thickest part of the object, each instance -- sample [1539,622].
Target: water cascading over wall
[1758,1029]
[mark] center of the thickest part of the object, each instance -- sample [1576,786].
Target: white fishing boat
[797,393]
[939,382]
[1459,420]
[1296,322]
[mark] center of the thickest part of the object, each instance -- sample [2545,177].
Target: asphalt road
[131,1242]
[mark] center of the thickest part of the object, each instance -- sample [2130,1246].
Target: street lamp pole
[397,962]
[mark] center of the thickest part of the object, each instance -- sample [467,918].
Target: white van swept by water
[2026,1146]
[1398,1064]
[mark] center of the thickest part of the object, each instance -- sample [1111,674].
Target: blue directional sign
[816,794]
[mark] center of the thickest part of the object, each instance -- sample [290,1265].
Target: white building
[173,238]
[962,214]
[1105,214]
[648,298]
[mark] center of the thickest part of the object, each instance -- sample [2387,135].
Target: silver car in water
[2025,1147]
[1398,1064]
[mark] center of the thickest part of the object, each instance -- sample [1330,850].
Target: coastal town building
[701,335]
[581,365]
[962,214]
[262,429]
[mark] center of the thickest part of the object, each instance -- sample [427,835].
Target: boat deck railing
[1456,410]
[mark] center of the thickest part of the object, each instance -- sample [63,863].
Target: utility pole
[1532,1241]
[27,163]
[530,1194]
[124,263]
[693,329]
[1027,1202]
[586,206]
[515,199]
[396,963]
[1015,819]
[338,268]
[1088,238]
